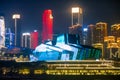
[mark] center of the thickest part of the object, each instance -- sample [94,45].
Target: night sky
[31,12]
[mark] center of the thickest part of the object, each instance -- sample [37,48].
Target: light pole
[16,16]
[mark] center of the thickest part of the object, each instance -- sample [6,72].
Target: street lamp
[78,11]
[16,16]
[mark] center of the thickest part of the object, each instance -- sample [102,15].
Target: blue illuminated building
[9,41]
[65,48]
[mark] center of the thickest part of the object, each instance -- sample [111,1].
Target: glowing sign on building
[47,30]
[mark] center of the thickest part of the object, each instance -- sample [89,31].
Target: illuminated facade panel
[47,30]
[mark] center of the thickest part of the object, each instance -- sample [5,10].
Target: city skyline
[31,13]
[42,39]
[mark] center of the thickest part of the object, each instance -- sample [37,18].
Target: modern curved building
[47,29]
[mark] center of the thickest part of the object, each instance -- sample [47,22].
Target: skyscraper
[77,16]
[9,38]
[26,40]
[30,40]
[77,23]
[100,32]
[2,32]
[91,28]
[77,30]
[115,30]
[34,39]
[47,31]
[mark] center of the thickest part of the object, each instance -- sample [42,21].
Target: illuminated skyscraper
[17,30]
[30,40]
[100,32]
[9,38]
[77,23]
[77,16]
[47,30]
[26,40]
[115,30]
[2,32]
[34,39]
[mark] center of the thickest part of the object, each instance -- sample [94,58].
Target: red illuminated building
[34,39]
[47,30]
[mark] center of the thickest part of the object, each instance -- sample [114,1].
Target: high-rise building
[77,29]
[100,32]
[91,28]
[115,30]
[113,42]
[26,40]
[77,23]
[47,30]
[9,38]
[2,32]
[30,40]
[17,29]
[77,16]
[34,39]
